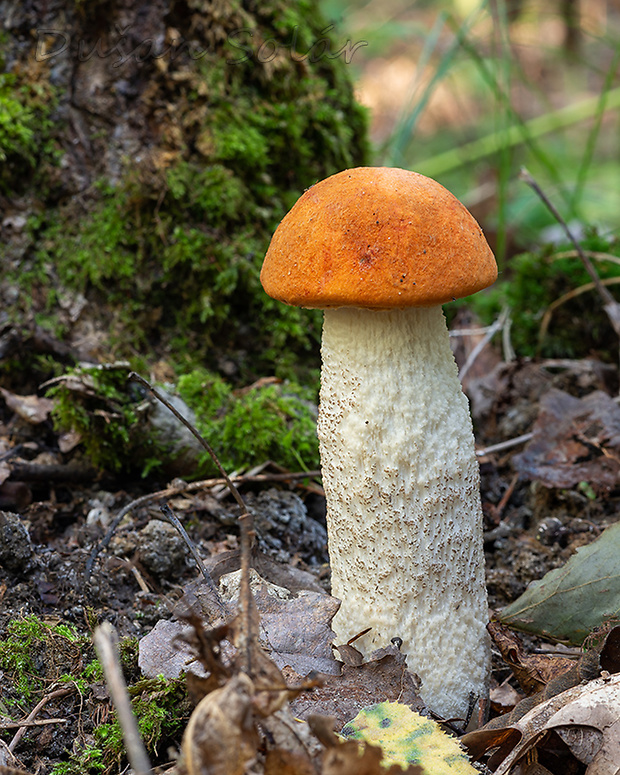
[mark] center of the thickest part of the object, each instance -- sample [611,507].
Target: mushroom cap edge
[377,237]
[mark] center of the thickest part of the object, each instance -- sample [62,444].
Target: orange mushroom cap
[377,237]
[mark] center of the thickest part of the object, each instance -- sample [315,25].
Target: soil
[50,529]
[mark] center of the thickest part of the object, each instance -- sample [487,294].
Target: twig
[106,644]
[498,510]
[509,352]
[116,522]
[35,711]
[502,445]
[38,723]
[171,517]
[246,531]
[74,473]
[233,490]
[247,606]
[610,305]
[597,256]
[170,492]
[490,333]
[546,319]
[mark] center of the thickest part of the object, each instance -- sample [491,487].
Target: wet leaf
[575,440]
[569,602]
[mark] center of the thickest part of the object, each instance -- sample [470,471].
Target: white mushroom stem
[403,499]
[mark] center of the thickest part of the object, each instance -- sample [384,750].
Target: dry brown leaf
[383,677]
[503,732]
[297,631]
[593,706]
[532,671]
[69,440]
[292,747]
[32,409]
[220,738]
[5,471]
[575,439]
[504,698]
[352,757]
[279,762]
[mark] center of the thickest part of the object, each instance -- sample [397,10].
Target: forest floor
[549,484]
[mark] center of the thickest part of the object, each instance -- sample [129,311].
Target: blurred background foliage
[469,92]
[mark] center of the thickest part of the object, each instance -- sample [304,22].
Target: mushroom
[380,249]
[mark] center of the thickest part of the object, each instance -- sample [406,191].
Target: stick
[33,713]
[106,644]
[610,305]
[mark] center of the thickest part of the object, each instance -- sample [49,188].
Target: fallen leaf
[32,409]
[505,732]
[294,749]
[406,737]
[383,677]
[574,440]
[532,671]
[352,757]
[593,706]
[69,440]
[5,471]
[602,654]
[570,602]
[220,738]
[504,698]
[165,651]
[279,762]
[297,631]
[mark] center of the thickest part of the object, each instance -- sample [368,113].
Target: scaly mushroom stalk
[403,505]
[380,250]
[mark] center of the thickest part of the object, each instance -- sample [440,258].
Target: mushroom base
[403,498]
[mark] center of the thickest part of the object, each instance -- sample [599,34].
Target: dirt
[48,532]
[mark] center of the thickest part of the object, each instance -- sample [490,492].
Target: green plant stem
[596,128]
[516,135]
[406,128]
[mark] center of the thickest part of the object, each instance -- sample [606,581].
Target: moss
[530,286]
[25,128]
[162,710]
[34,652]
[100,405]
[266,422]
[273,422]
[168,251]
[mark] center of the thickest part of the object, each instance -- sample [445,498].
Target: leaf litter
[293,630]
